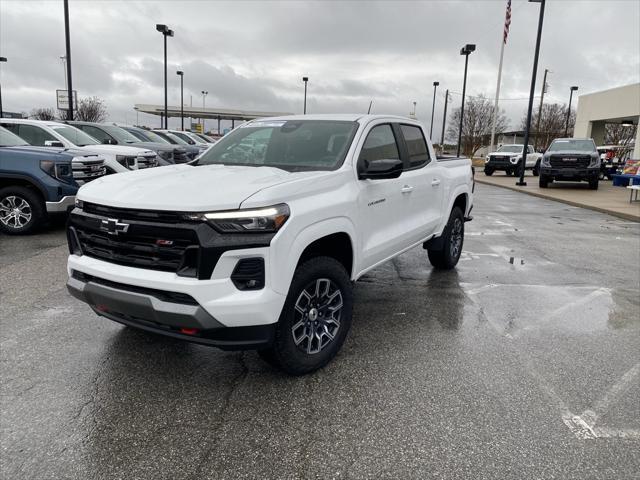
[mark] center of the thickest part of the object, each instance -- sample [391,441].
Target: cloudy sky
[252,55]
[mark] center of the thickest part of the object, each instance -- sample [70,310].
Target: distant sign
[198,128]
[62,97]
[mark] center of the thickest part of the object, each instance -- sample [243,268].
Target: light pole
[181,73]
[525,147]
[433,108]
[305,80]
[67,36]
[204,95]
[2,60]
[466,50]
[566,125]
[166,32]
[444,119]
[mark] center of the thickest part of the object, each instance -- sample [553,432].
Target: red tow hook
[189,331]
[102,308]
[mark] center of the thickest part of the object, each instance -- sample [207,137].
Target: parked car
[572,159]
[114,135]
[192,150]
[204,137]
[117,158]
[190,138]
[179,154]
[36,182]
[508,158]
[239,252]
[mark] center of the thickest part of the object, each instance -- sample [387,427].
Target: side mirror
[380,169]
[53,143]
[108,141]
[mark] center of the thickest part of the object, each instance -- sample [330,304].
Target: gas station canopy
[213,113]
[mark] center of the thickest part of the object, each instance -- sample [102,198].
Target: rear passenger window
[379,145]
[35,136]
[416,145]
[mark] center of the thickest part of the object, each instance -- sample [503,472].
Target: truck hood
[117,150]
[185,188]
[504,154]
[76,152]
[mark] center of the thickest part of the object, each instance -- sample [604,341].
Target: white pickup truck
[255,245]
[508,157]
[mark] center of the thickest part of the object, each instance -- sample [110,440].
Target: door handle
[435,183]
[406,189]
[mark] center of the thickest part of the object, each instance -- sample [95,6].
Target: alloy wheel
[455,245]
[317,316]
[15,212]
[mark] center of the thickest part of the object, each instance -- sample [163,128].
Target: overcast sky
[252,55]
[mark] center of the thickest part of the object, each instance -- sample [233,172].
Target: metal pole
[68,54]
[544,88]
[521,182]
[444,119]
[464,91]
[166,118]
[370,104]
[182,101]
[2,60]
[566,126]
[305,79]
[495,104]
[433,108]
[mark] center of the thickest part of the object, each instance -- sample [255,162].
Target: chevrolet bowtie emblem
[113,227]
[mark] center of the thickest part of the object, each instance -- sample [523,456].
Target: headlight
[545,161]
[61,171]
[126,161]
[487,159]
[261,220]
[79,203]
[514,160]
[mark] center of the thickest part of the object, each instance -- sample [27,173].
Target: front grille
[131,214]
[87,170]
[147,162]
[499,161]
[569,161]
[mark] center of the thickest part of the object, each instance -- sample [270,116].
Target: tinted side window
[416,145]
[95,133]
[379,145]
[13,128]
[35,136]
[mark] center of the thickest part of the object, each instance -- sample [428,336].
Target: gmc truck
[36,182]
[571,159]
[508,158]
[256,244]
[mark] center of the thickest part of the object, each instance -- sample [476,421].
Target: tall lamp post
[433,108]
[466,51]
[67,36]
[525,147]
[181,73]
[305,80]
[566,125]
[204,95]
[2,60]
[166,32]
[444,120]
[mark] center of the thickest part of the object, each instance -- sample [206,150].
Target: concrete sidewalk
[607,199]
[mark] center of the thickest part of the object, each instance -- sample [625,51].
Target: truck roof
[345,117]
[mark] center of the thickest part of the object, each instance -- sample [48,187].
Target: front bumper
[62,206]
[571,173]
[165,313]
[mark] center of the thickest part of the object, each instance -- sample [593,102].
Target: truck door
[380,215]
[422,187]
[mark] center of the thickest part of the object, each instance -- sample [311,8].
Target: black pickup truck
[571,159]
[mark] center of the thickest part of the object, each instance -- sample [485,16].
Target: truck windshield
[511,149]
[293,145]
[8,139]
[75,135]
[586,146]
[120,134]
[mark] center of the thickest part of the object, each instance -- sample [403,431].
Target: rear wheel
[315,319]
[452,242]
[488,172]
[21,210]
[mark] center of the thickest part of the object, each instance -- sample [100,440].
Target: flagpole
[495,106]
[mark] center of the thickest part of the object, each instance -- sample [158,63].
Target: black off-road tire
[536,169]
[32,205]
[488,171]
[452,242]
[284,353]
[593,184]
[543,181]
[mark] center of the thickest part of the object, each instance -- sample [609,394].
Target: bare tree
[552,124]
[477,123]
[617,134]
[91,109]
[46,113]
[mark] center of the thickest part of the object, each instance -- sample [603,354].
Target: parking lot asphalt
[524,362]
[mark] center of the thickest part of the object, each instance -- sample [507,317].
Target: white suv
[118,158]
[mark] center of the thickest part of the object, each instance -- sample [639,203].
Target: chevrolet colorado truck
[256,244]
[37,182]
[508,158]
[571,159]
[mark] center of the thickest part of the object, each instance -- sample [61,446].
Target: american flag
[507,21]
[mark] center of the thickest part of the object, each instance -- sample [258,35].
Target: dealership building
[618,105]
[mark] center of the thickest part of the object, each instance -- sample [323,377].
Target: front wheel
[315,319]
[21,211]
[543,181]
[452,240]
[488,172]
[593,184]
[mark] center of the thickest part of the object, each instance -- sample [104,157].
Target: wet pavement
[522,363]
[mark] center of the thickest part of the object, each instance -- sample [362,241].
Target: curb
[626,216]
